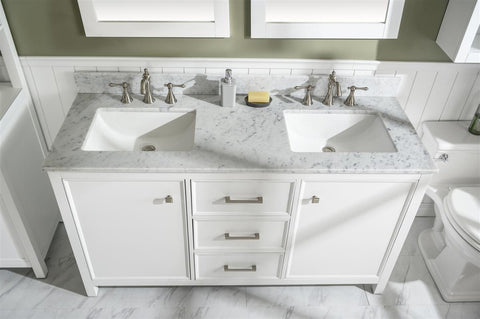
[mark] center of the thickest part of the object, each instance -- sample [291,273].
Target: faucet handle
[171,85]
[308,87]
[307,100]
[170,99]
[350,101]
[353,88]
[126,98]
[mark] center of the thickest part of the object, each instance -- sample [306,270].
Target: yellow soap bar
[258,97]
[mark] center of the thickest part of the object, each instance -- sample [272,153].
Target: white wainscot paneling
[428,91]
[462,88]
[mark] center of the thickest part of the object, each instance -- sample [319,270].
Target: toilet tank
[455,151]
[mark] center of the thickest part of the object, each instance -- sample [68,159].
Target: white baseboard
[14,263]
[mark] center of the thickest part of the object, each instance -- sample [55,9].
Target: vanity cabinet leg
[62,200]
[91,291]
[378,289]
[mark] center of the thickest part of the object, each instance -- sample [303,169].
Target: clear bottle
[474,127]
[228,89]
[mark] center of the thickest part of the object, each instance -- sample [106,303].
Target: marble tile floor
[411,293]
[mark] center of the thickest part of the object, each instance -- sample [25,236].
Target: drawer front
[239,234]
[242,197]
[261,265]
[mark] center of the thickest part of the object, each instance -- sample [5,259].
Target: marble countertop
[239,139]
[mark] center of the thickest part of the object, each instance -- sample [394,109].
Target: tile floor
[411,293]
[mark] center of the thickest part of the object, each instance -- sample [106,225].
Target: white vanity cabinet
[343,229]
[131,231]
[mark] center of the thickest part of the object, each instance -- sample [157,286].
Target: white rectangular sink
[129,129]
[311,131]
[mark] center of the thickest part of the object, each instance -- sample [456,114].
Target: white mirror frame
[387,30]
[220,28]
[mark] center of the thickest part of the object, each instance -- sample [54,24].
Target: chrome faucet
[145,87]
[307,100]
[333,84]
[170,97]
[126,98]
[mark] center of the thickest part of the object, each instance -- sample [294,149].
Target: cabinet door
[129,231]
[347,231]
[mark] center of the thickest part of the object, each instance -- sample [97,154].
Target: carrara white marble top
[239,139]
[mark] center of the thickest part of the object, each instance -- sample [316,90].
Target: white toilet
[451,248]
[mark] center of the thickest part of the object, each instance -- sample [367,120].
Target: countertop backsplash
[97,82]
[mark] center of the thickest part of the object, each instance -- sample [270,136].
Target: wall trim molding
[252,63]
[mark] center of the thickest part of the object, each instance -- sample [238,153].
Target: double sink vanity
[198,194]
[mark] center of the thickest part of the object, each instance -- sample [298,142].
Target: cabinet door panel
[128,230]
[348,231]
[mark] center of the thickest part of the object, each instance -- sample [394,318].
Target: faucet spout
[145,88]
[334,89]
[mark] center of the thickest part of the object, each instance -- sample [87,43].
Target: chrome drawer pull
[251,268]
[256,200]
[159,201]
[255,236]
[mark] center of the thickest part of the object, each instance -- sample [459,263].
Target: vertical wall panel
[67,88]
[472,101]
[38,106]
[438,97]
[458,97]
[49,98]
[408,77]
[419,95]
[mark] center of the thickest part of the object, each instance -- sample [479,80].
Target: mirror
[314,19]
[155,18]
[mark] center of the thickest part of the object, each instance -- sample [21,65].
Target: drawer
[251,265]
[245,234]
[242,197]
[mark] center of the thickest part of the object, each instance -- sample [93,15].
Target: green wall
[54,28]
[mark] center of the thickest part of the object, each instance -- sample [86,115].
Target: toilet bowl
[451,248]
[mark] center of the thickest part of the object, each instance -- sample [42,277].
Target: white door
[131,230]
[343,228]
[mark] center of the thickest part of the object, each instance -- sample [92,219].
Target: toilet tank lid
[450,135]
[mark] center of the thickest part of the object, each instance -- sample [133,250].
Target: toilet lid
[464,207]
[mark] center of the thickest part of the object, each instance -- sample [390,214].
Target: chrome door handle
[255,236]
[315,199]
[252,268]
[256,200]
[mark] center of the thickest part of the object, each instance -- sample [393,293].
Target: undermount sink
[311,131]
[140,130]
